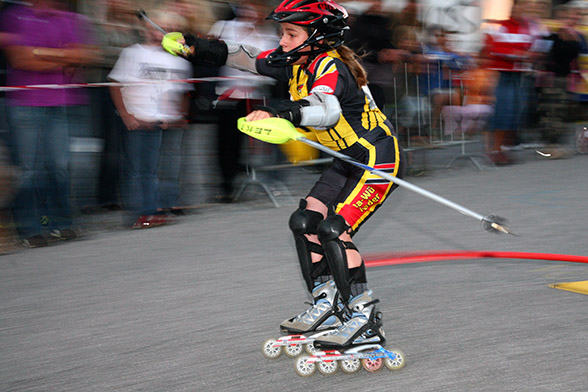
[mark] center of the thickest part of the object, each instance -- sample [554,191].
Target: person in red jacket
[508,51]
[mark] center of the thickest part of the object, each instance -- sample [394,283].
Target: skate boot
[363,326]
[324,315]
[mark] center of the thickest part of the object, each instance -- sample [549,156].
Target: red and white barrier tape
[114,84]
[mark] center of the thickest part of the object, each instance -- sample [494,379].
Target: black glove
[211,51]
[289,110]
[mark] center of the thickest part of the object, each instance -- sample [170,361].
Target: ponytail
[352,61]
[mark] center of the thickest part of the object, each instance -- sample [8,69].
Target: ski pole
[278,131]
[169,39]
[142,15]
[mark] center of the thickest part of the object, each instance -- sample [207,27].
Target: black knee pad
[303,222]
[331,228]
[328,232]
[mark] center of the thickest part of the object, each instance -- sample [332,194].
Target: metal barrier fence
[429,109]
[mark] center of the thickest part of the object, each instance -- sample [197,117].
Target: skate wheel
[328,367]
[269,350]
[310,349]
[350,366]
[292,350]
[397,363]
[303,367]
[372,365]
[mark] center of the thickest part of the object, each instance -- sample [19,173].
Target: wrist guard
[211,51]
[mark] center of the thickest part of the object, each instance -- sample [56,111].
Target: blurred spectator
[535,13]
[198,17]
[5,39]
[508,50]
[198,14]
[567,44]
[409,16]
[117,28]
[411,102]
[236,98]
[79,111]
[444,67]
[148,109]
[46,48]
[172,138]
[8,176]
[578,79]
[7,170]
[371,36]
[478,104]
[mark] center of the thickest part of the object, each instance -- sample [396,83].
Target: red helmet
[326,20]
[311,13]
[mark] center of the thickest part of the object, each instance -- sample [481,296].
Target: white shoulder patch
[322,89]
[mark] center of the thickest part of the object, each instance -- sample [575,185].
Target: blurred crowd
[523,82]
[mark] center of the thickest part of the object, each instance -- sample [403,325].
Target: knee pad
[303,222]
[328,232]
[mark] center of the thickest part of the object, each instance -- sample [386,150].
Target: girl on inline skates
[330,99]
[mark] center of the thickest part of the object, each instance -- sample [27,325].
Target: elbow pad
[317,110]
[322,111]
[212,51]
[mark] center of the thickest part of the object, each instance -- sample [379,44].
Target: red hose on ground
[380,260]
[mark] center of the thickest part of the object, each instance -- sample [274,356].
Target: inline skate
[358,342]
[324,315]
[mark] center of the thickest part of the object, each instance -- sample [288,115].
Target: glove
[207,50]
[212,51]
[171,43]
[289,110]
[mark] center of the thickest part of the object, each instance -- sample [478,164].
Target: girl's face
[292,37]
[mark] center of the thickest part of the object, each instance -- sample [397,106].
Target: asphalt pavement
[186,307]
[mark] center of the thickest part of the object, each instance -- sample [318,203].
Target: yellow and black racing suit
[363,133]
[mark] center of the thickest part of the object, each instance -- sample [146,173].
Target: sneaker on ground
[36,241]
[63,234]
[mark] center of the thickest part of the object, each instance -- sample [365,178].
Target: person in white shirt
[149,105]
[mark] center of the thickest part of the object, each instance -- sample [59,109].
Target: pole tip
[496,224]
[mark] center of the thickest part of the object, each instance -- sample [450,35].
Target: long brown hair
[351,59]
